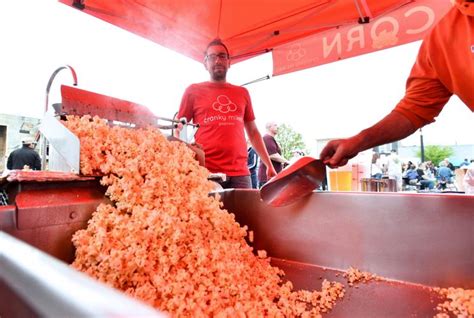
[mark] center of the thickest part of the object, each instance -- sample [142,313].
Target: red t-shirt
[444,66]
[221,110]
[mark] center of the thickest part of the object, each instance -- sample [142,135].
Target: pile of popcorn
[165,241]
[354,275]
[460,302]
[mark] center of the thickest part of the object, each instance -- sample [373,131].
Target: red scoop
[295,182]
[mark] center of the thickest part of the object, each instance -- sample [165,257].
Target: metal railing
[53,289]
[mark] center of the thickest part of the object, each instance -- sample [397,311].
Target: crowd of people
[422,175]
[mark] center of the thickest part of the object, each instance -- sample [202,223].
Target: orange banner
[405,24]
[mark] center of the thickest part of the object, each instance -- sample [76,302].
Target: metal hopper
[415,241]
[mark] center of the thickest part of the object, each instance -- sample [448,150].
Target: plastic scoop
[294,182]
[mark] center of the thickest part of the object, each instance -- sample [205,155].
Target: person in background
[404,167]
[375,169]
[274,151]
[411,175]
[449,164]
[433,169]
[24,157]
[444,175]
[394,168]
[296,154]
[468,180]
[252,161]
[383,163]
[443,67]
[425,177]
[224,113]
[464,163]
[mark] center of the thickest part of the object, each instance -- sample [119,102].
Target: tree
[289,141]
[436,154]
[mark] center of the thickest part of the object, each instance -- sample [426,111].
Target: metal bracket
[64,146]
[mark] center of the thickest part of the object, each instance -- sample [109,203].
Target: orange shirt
[444,66]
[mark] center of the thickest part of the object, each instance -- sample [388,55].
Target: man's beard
[219,75]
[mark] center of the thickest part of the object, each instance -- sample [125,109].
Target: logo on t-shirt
[472,48]
[224,105]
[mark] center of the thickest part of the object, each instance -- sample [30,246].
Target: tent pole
[257,80]
[422,146]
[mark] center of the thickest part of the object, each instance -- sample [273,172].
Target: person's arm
[186,110]
[253,160]
[259,146]
[37,163]
[10,162]
[393,127]
[278,158]
[424,99]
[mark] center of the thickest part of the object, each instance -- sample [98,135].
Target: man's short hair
[269,124]
[217,42]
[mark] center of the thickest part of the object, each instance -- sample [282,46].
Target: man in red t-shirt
[224,113]
[273,150]
[444,66]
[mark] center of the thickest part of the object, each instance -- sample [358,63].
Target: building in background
[13,129]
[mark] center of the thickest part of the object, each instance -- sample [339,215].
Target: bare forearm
[278,158]
[391,128]
[259,146]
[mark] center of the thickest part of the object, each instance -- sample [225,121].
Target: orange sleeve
[425,95]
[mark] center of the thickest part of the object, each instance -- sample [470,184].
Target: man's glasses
[215,57]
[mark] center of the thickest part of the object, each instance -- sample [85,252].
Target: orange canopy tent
[299,33]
